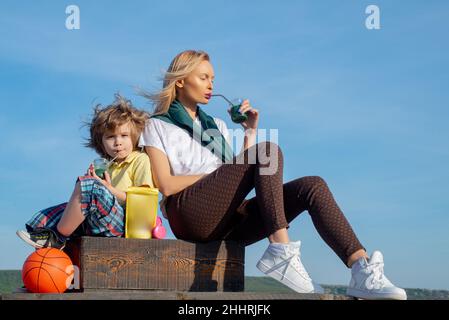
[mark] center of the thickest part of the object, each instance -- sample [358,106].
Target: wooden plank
[171,295]
[119,263]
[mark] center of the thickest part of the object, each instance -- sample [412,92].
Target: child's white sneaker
[42,238]
[369,282]
[282,262]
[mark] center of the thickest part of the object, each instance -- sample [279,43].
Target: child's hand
[107,178]
[106,181]
[91,170]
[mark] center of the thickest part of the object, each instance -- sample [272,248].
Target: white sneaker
[369,282]
[282,262]
[41,238]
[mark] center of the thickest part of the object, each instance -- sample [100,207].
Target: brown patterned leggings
[215,208]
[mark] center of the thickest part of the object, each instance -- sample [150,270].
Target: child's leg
[46,218]
[73,215]
[41,229]
[92,210]
[93,204]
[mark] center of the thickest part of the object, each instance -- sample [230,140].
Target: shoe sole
[22,236]
[356,293]
[275,274]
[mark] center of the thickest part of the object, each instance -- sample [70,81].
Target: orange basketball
[47,270]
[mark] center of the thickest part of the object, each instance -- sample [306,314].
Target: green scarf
[178,116]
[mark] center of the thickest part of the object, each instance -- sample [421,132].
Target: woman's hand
[253,115]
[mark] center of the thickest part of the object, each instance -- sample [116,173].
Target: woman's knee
[314,183]
[308,183]
[318,181]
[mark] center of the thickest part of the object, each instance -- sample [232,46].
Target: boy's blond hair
[107,119]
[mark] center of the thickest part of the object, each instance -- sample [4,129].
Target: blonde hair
[107,119]
[180,67]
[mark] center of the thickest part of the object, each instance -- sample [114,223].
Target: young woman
[204,186]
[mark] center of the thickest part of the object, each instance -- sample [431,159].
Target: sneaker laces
[40,233]
[377,269]
[47,235]
[295,260]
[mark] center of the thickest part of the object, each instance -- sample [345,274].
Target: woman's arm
[250,125]
[167,183]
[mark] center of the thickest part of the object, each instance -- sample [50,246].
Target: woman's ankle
[279,236]
[353,258]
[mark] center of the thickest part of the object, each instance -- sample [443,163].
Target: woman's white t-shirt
[185,154]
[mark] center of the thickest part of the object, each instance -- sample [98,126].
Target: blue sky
[367,110]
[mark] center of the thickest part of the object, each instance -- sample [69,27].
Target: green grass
[265,284]
[10,280]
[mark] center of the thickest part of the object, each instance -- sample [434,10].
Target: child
[97,206]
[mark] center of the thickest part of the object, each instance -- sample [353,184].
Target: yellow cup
[141,212]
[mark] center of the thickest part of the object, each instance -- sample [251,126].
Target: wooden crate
[135,264]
